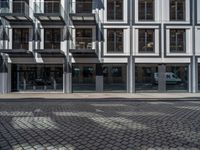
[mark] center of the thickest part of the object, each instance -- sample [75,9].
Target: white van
[170,77]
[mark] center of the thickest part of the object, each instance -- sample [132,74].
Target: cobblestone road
[100,125]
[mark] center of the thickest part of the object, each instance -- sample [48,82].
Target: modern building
[99,46]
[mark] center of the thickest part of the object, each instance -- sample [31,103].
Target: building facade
[99,46]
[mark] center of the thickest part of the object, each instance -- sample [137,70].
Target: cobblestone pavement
[100,125]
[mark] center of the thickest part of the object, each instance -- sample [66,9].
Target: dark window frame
[145,11]
[23,41]
[114,41]
[53,42]
[145,37]
[174,16]
[113,11]
[176,40]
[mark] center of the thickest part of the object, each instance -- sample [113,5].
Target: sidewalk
[102,96]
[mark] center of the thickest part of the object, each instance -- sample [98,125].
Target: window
[20,6]
[177,40]
[84,38]
[84,6]
[20,38]
[115,40]
[146,10]
[114,9]
[177,10]
[52,38]
[51,6]
[146,40]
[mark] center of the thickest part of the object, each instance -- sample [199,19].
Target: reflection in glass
[52,38]
[114,9]
[37,77]
[83,77]
[146,10]
[177,10]
[20,38]
[146,77]
[177,40]
[176,77]
[114,77]
[146,40]
[115,40]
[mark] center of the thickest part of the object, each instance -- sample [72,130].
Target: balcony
[50,12]
[83,13]
[83,47]
[15,12]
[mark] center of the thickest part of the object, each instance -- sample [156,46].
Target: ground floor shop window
[176,77]
[115,77]
[37,77]
[83,77]
[146,77]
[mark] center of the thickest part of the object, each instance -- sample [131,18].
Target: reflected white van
[170,77]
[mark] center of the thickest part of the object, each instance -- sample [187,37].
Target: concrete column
[193,76]
[131,75]
[99,78]
[161,78]
[67,79]
[3,76]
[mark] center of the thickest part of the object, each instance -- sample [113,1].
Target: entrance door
[83,77]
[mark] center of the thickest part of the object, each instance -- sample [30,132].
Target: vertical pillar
[3,76]
[131,75]
[67,79]
[99,78]
[161,78]
[193,75]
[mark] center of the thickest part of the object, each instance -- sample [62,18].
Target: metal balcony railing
[83,43]
[14,7]
[51,45]
[20,45]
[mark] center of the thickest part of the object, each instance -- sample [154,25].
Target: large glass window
[52,38]
[146,77]
[177,40]
[20,38]
[115,40]
[114,9]
[83,77]
[146,40]
[37,77]
[84,38]
[146,10]
[176,77]
[177,10]
[114,77]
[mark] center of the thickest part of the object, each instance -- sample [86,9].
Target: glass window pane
[114,9]
[146,40]
[146,10]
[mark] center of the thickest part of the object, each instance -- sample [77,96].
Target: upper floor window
[84,38]
[51,6]
[146,40]
[20,38]
[114,9]
[20,6]
[52,38]
[146,10]
[84,6]
[177,40]
[115,40]
[177,10]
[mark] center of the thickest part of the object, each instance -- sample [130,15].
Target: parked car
[170,77]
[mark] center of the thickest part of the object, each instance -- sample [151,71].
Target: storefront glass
[176,77]
[115,77]
[37,77]
[146,77]
[83,77]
